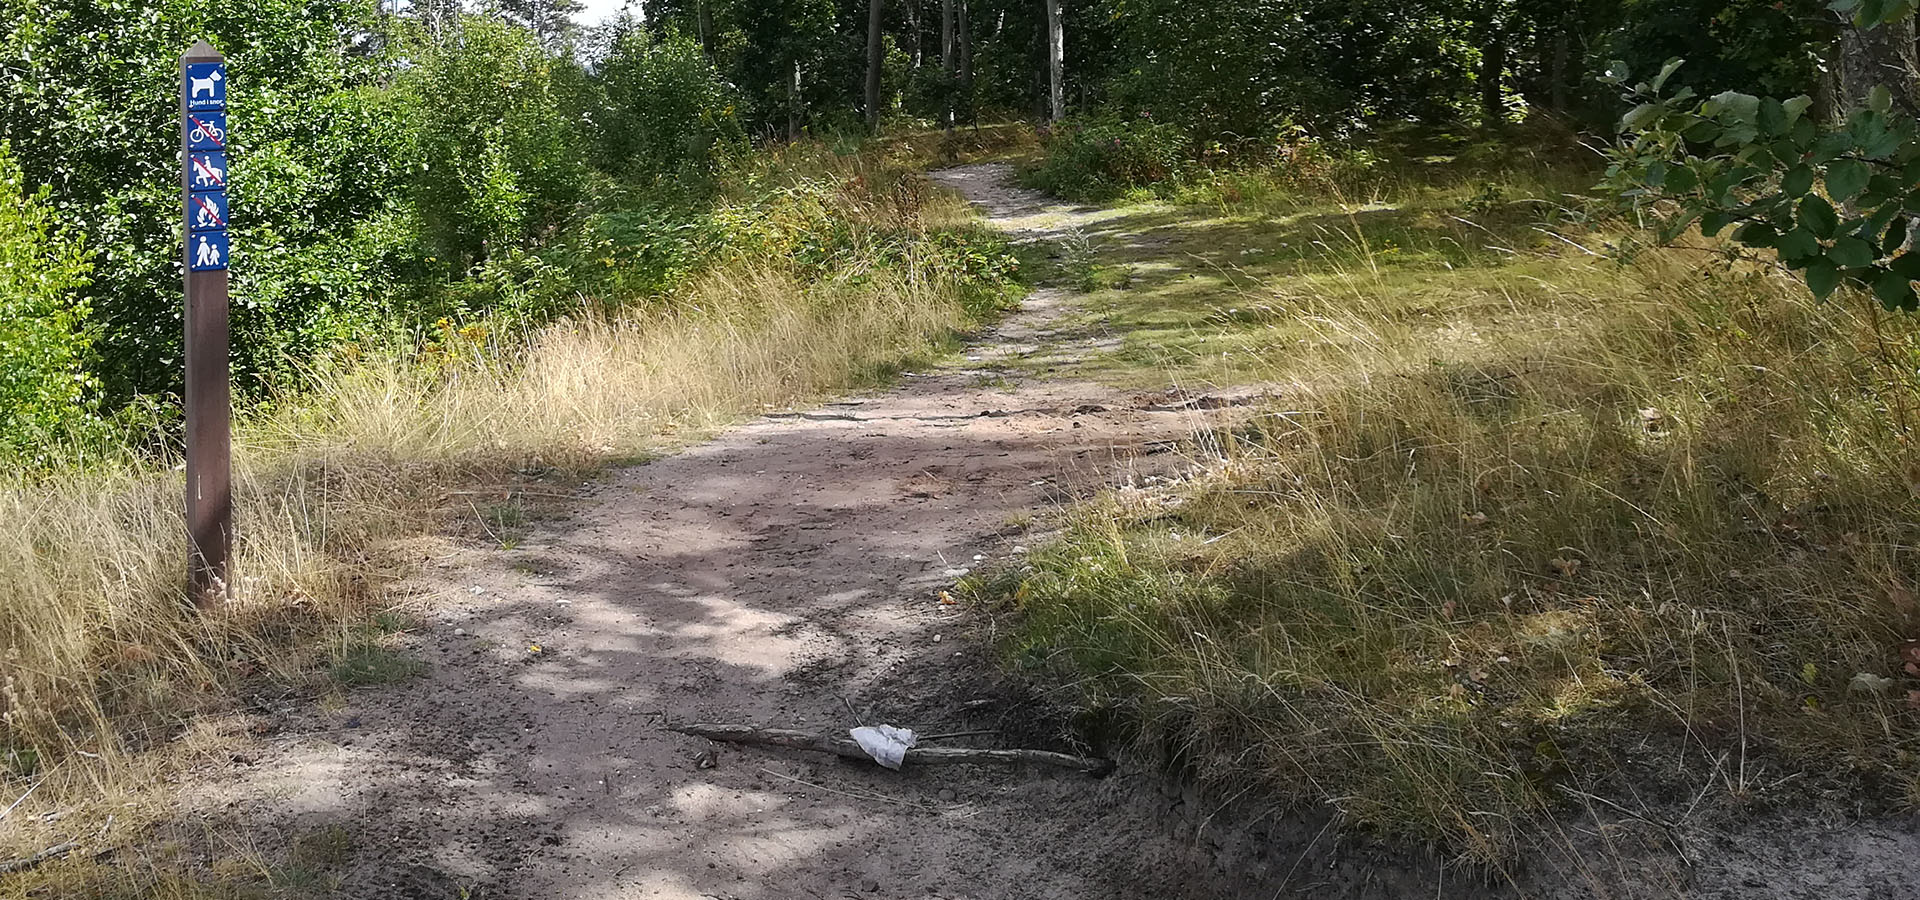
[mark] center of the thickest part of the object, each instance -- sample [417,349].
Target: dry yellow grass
[743,337]
[1521,526]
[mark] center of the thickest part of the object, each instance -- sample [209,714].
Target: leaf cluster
[1836,202]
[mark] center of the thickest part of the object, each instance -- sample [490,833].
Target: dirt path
[779,575]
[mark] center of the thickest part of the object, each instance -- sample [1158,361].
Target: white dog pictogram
[207,85]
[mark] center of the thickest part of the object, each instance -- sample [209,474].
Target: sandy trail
[787,573]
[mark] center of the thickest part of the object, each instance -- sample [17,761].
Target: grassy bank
[841,270]
[1521,526]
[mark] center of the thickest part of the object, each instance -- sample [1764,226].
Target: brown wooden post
[205,248]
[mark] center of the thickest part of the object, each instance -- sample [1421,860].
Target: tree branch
[930,756]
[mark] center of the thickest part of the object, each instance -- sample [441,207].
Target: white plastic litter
[886,744]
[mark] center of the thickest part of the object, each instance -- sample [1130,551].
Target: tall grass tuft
[1517,532]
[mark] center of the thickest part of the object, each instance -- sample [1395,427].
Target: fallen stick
[929,756]
[27,862]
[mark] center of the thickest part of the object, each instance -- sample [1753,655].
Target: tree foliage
[45,389]
[499,158]
[378,163]
[88,98]
[668,117]
[1835,200]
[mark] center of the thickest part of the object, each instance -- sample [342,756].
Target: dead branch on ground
[926,756]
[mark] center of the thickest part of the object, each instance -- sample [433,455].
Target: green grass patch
[367,655]
[1223,284]
[365,662]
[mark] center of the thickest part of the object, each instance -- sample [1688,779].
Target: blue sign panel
[206,131]
[207,171]
[207,251]
[206,86]
[207,211]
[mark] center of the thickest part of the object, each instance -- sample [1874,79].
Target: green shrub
[325,236]
[501,161]
[669,118]
[644,250]
[88,101]
[1236,68]
[45,393]
[1101,159]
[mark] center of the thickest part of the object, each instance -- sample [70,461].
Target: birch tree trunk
[793,105]
[913,27]
[947,61]
[1056,62]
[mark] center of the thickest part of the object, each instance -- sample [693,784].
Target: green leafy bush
[1236,68]
[500,160]
[45,392]
[1768,45]
[669,119]
[1100,159]
[325,235]
[1832,201]
[88,95]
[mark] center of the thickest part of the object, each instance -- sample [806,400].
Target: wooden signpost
[203,188]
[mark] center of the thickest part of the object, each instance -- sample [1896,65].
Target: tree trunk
[1493,70]
[1562,41]
[793,105]
[947,61]
[913,27]
[966,61]
[1037,54]
[875,8]
[1056,62]
[1869,58]
[946,36]
[704,21]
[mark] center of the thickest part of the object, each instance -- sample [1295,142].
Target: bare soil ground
[790,573]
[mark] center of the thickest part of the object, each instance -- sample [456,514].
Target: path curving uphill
[788,573]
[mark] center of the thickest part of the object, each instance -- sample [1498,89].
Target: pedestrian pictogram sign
[206,130]
[206,86]
[207,211]
[208,250]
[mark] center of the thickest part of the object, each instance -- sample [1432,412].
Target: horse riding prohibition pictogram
[207,172]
